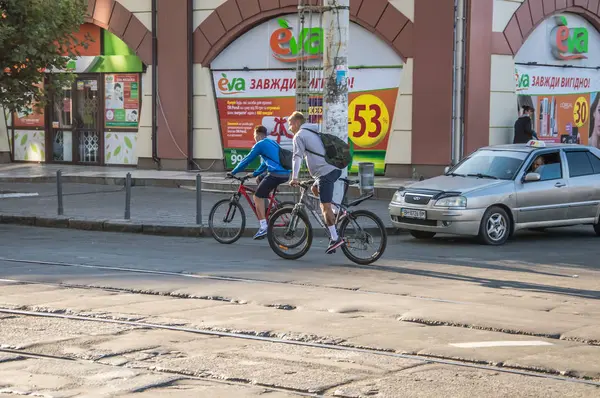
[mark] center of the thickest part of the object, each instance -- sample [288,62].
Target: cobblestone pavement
[148,204]
[96,314]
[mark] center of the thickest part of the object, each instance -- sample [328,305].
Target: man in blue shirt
[268,150]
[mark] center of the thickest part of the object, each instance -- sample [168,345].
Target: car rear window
[579,164]
[595,162]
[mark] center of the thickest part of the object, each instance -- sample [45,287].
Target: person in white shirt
[308,144]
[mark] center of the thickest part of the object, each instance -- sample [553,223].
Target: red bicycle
[230,208]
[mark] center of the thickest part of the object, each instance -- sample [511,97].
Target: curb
[124,226]
[383,193]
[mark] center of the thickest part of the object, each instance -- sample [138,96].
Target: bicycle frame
[244,190]
[342,208]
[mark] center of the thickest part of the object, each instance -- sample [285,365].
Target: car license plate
[412,213]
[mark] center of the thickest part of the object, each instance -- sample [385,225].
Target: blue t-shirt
[269,151]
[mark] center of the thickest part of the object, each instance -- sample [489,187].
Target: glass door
[61,128]
[87,134]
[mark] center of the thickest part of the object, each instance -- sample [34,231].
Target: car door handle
[560,185]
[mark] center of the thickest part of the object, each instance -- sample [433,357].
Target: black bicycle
[290,232]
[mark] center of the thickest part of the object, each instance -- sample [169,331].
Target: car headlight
[453,201]
[398,197]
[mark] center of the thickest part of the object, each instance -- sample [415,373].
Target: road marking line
[17,195]
[483,344]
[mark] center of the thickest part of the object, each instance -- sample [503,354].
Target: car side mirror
[531,177]
[446,169]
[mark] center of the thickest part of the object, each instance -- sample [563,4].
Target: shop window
[579,164]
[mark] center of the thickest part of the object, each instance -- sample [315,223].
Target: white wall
[203,8]
[407,7]
[142,9]
[207,137]
[503,12]
[400,142]
[503,99]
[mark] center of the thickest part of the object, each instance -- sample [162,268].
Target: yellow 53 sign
[581,112]
[369,121]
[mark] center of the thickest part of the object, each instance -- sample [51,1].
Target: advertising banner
[249,98]
[564,102]
[122,96]
[30,118]
[543,80]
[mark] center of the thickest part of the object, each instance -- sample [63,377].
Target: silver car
[498,190]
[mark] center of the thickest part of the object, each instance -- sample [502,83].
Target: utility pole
[336,30]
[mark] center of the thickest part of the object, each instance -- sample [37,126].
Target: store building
[402,73]
[224,65]
[97,122]
[542,53]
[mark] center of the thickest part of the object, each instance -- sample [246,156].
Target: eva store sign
[289,46]
[568,43]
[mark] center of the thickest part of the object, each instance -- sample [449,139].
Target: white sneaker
[262,232]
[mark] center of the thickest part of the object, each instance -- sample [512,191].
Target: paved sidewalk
[155,210]
[211,181]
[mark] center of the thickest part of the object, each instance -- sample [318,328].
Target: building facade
[189,99]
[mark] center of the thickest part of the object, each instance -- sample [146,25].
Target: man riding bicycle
[307,144]
[268,150]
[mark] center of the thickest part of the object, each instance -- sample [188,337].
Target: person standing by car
[523,131]
[308,144]
[268,150]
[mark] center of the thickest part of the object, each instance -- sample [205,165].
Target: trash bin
[366,177]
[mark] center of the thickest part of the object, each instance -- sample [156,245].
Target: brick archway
[111,15]
[235,17]
[533,12]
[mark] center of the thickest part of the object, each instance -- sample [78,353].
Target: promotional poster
[248,99]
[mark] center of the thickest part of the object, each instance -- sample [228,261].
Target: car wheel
[597,228]
[495,227]
[423,235]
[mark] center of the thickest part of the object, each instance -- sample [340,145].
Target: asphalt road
[530,305]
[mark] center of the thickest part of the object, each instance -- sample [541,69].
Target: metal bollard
[59,192]
[198,199]
[128,196]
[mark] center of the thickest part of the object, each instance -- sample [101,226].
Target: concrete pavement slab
[199,388]
[578,361]
[589,334]
[432,381]
[497,318]
[299,368]
[504,355]
[162,307]
[67,379]
[22,333]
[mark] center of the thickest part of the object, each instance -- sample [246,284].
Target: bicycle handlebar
[240,179]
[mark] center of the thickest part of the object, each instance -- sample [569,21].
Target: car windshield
[485,163]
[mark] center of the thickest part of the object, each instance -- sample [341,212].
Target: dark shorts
[326,184]
[269,183]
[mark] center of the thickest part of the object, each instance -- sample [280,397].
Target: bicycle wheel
[225,211]
[361,229]
[286,236]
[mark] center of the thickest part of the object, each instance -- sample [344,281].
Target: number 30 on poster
[581,112]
